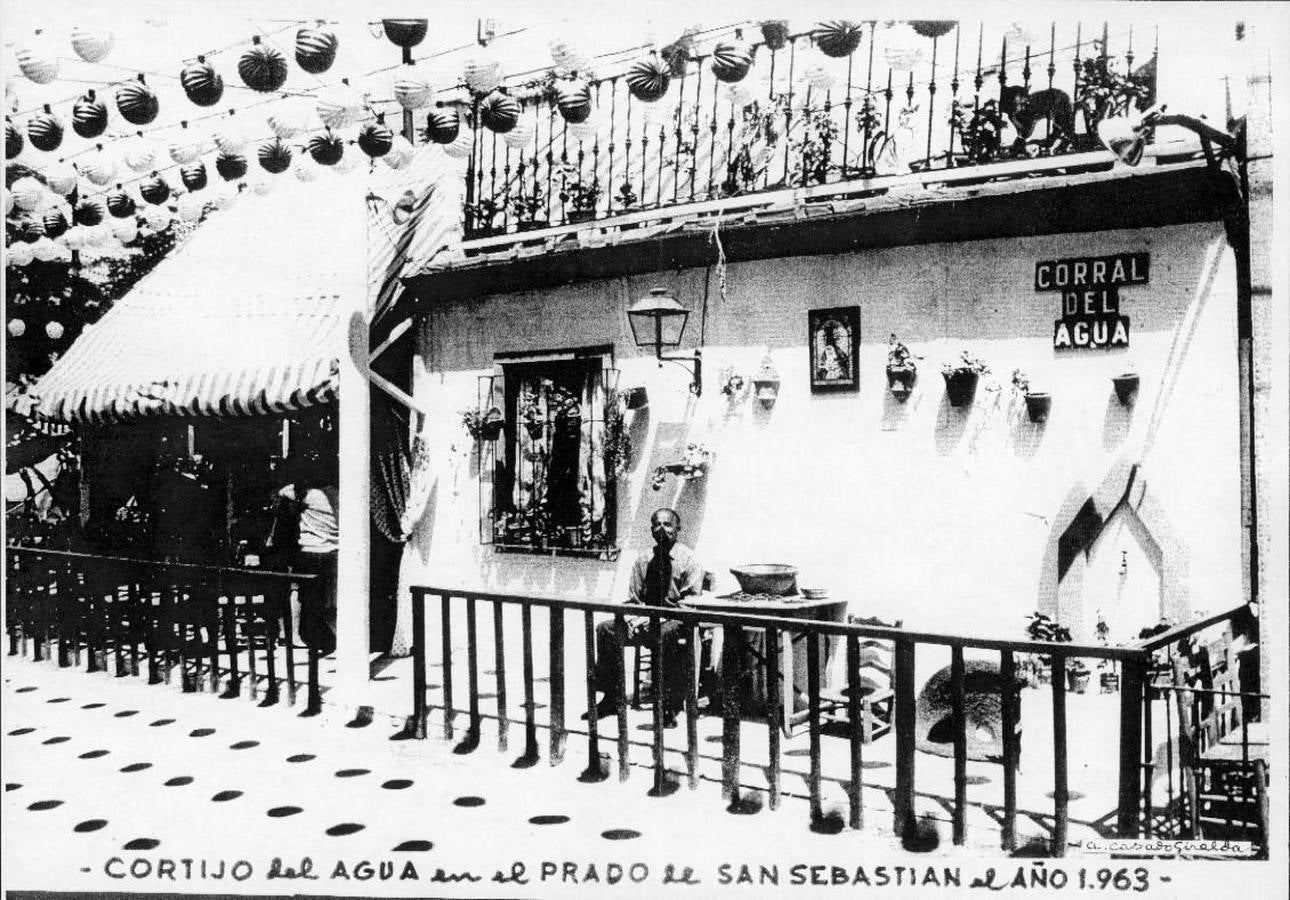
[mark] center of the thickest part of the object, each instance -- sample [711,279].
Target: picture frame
[832,343]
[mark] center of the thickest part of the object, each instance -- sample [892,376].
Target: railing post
[499,670]
[530,710]
[1008,708]
[813,712]
[1061,794]
[903,805]
[556,614]
[445,614]
[593,722]
[418,663]
[695,658]
[1132,678]
[660,676]
[472,672]
[620,695]
[960,744]
[774,714]
[731,653]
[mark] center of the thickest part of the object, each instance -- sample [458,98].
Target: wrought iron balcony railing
[910,97]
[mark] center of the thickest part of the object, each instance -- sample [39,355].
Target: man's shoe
[604,709]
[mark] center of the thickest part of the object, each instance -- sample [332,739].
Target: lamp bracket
[693,358]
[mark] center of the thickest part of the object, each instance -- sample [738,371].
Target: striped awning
[247,318]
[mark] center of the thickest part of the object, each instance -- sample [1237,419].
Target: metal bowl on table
[776,579]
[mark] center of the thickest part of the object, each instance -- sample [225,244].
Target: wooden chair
[643,675]
[878,698]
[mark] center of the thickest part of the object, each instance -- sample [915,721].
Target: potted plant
[617,442]
[693,464]
[961,378]
[1126,387]
[483,426]
[532,415]
[579,196]
[1077,675]
[527,208]
[1038,403]
[902,371]
[480,215]
[1040,627]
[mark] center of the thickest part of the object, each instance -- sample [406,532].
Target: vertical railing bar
[693,641]
[954,96]
[418,723]
[289,631]
[855,733]
[712,141]
[620,692]
[445,611]
[270,640]
[788,110]
[499,669]
[903,805]
[556,752]
[613,125]
[1061,796]
[1147,768]
[846,118]
[732,650]
[813,698]
[660,681]
[530,706]
[676,151]
[1008,709]
[1131,699]
[869,104]
[593,722]
[774,713]
[931,102]
[957,700]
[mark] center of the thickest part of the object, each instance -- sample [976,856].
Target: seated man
[660,577]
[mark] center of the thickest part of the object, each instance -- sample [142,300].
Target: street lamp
[658,321]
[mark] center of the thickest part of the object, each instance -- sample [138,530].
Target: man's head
[665,525]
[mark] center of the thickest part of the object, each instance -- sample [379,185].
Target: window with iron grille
[547,481]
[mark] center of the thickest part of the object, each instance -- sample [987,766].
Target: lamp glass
[657,321]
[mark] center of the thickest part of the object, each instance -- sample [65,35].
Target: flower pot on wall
[1126,387]
[1037,406]
[491,428]
[578,216]
[960,386]
[532,225]
[900,379]
[1077,680]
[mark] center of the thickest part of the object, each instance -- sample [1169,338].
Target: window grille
[545,484]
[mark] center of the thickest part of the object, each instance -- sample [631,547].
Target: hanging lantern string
[265,33]
[136,71]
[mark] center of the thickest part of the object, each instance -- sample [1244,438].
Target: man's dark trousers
[609,660]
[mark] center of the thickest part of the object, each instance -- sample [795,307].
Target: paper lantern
[375,138]
[157,217]
[28,193]
[340,106]
[443,125]
[274,156]
[38,62]
[315,49]
[99,167]
[405,32]
[74,239]
[400,153]
[190,207]
[154,190]
[32,231]
[203,85]
[12,139]
[97,236]
[1020,35]
[573,99]
[61,178]
[463,145]
[731,61]
[774,34]
[20,254]
[520,136]
[261,187]
[125,230]
[89,212]
[569,57]
[932,29]
[137,102]
[230,137]
[8,202]
[648,79]
[262,67]
[902,49]
[224,196]
[305,171]
[345,164]
[45,130]
[120,204]
[326,149]
[89,116]
[292,116]
[44,249]
[54,330]
[193,176]
[483,71]
[55,223]
[817,72]
[91,44]
[499,112]
[412,87]
[230,166]
[140,155]
[837,38]
[17,327]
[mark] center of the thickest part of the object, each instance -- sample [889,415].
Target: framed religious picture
[833,340]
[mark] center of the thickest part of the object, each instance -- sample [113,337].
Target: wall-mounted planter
[900,380]
[491,428]
[960,386]
[532,225]
[1126,387]
[1077,680]
[1038,405]
[578,216]
[636,398]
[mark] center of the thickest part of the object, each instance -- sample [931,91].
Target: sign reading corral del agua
[1090,297]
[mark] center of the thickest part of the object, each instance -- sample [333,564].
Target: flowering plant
[693,464]
[967,363]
